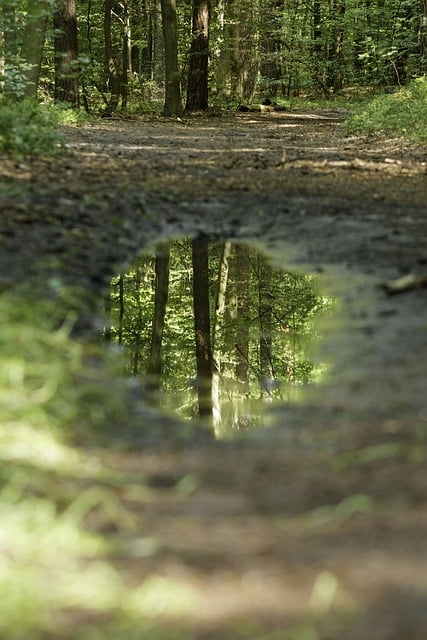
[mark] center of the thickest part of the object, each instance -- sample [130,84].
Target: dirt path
[317,530]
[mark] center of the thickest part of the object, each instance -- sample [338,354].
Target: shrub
[29,129]
[401,113]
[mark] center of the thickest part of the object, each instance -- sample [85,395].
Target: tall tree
[202,325]
[245,58]
[335,77]
[197,88]
[8,46]
[423,38]
[153,62]
[126,54]
[23,47]
[242,318]
[66,53]
[217,330]
[112,72]
[161,291]
[265,314]
[173,102]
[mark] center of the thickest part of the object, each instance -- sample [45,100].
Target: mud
[316,524]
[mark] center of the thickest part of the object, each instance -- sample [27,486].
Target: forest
[255,328]
[134,55]
[213,301]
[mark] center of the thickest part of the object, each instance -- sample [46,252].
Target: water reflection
[213,331]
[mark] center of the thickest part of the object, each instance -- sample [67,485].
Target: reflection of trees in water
[215,327]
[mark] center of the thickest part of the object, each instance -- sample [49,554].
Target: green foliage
[278,51]
[401,113]
[37,385]
[291,303]
[27,128]
[55,570]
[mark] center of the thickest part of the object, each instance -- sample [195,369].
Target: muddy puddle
[212,331]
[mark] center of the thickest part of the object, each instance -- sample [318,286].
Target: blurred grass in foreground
[75,559]
[55,571]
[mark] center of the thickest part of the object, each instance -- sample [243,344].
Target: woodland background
[130,55]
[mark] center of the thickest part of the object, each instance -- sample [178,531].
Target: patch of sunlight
[21,442]
[325,590]
[46,566]
[328,597]
[163,597]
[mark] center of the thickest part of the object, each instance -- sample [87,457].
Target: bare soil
[314,528]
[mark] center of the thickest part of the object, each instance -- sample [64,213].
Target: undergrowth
[403,113]
[28,128]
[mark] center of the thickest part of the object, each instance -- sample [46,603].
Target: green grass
[403,113]
[62,518]
[77,559]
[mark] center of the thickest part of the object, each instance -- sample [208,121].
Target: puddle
[221,345]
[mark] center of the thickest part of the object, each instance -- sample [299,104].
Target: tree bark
[66,53]
[197,88]
[110,61]
[265,310]
[245,61]
[202,326]
[173,102]
[335,76]
[216,336]
[126,55]
[8,46]
[423,38]
[160,303]
[242,328]
[32,45]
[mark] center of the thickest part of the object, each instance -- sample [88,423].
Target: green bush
[29,129]
[402,113]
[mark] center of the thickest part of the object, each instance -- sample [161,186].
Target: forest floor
[314,528]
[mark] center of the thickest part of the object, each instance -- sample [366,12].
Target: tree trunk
[8,48]
[32,45]
[242,328]
[216,336]
[158,59]
[271,46]
[66,54]
[160,304]
[244,36]
[126,55]
[173,102]
[335,77]
[318,50]
[138,327]
[197,88]
[110,61]
[423,38]
[220,51]
[121,308]
[202,327]
[265,310]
